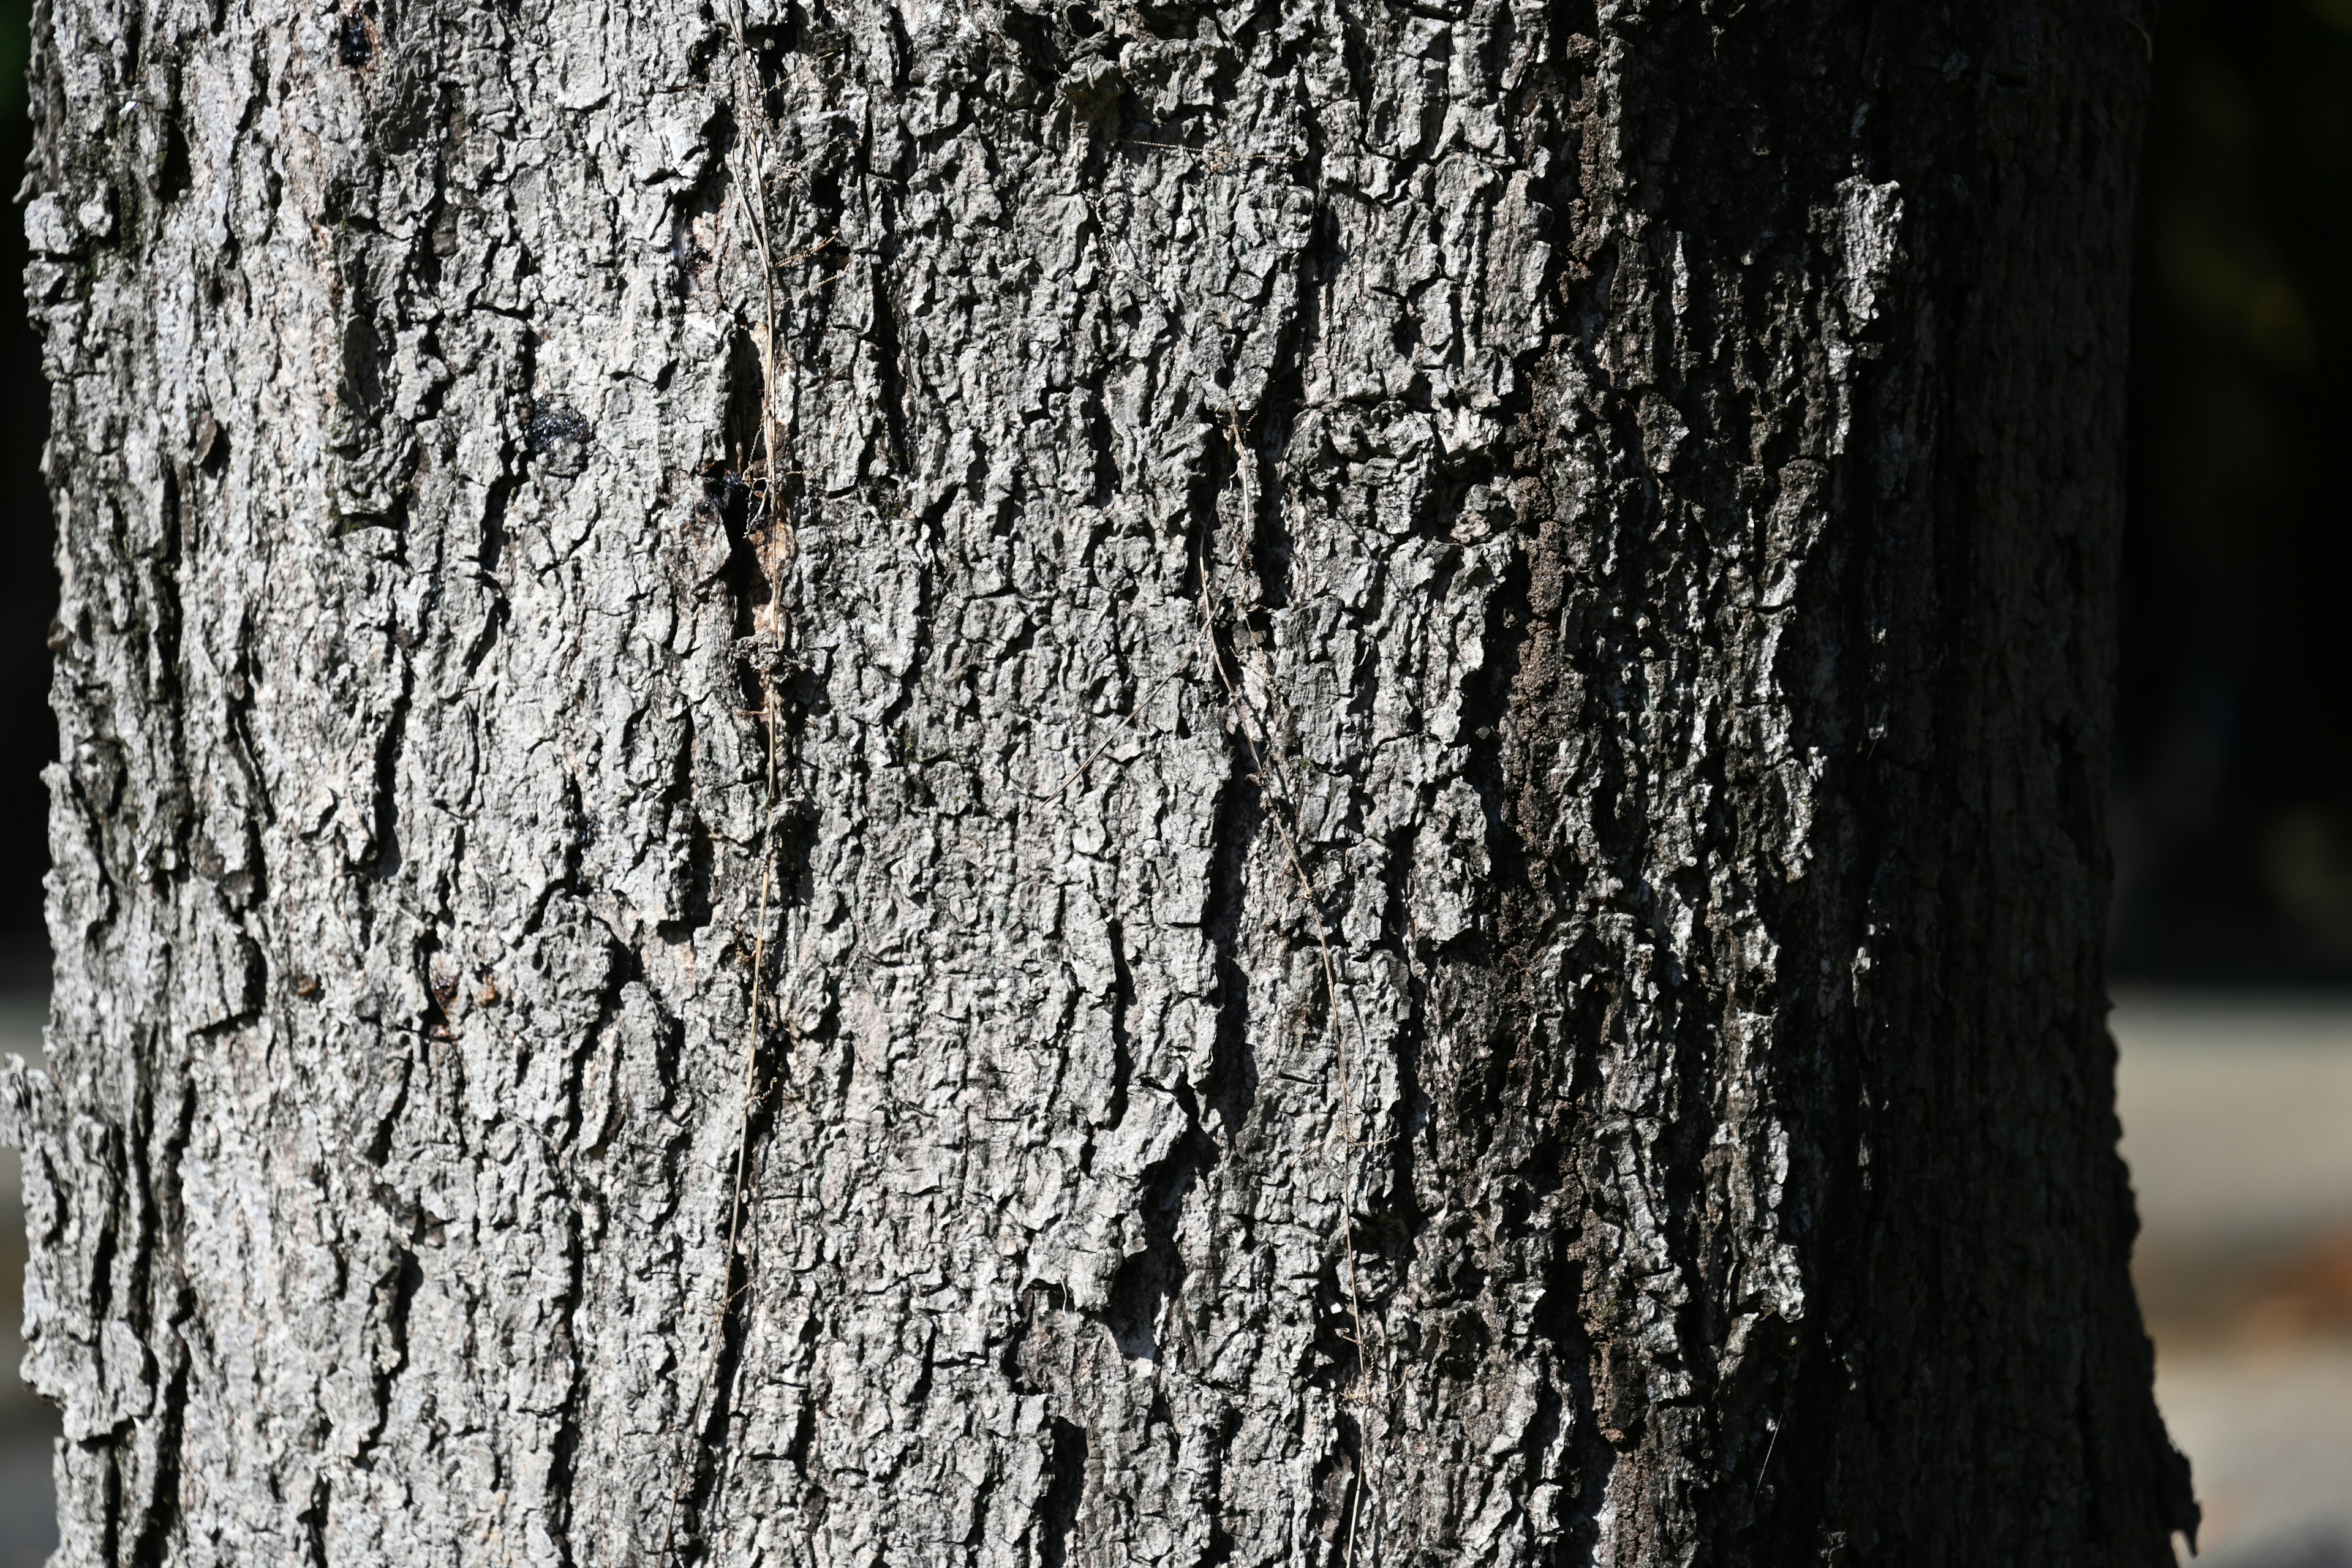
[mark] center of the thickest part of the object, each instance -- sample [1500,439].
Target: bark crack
[695,1492]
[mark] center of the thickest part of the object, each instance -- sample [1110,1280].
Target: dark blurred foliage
[28,596]
[2234,777]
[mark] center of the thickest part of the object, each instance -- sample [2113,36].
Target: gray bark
[1304,783]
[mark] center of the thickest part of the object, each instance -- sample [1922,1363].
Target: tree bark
[1138,783]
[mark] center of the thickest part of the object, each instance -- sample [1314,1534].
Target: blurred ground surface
[2237,1116]
[2237,1113]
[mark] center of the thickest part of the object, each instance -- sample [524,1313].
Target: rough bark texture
[1351,808]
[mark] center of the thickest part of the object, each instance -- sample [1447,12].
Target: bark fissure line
[1259,732]
[705,1453]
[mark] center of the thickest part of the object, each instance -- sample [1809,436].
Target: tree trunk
[1123,783]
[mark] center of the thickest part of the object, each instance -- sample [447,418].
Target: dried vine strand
[1267,762]
[752,201]
[1267,758]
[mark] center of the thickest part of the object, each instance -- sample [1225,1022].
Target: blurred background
[2232,932]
